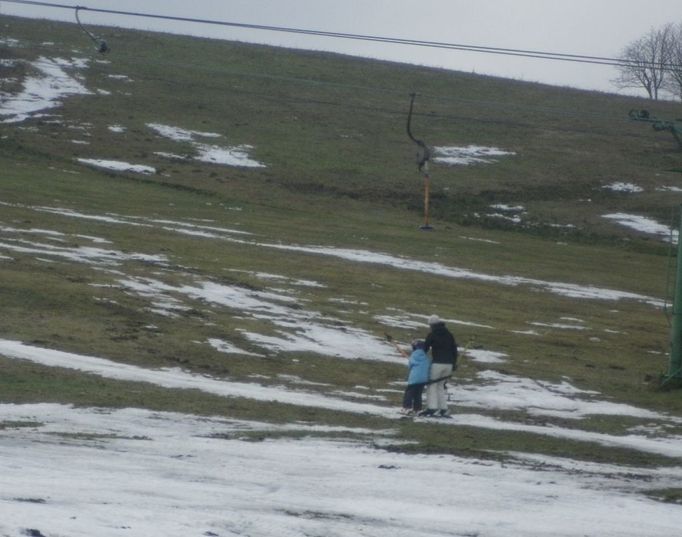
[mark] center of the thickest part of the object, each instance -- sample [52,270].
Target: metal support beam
[423,157]
[675,367]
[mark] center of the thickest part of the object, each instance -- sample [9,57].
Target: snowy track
[508,392]
[159,474]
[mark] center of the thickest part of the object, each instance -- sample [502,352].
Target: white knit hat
[434,319]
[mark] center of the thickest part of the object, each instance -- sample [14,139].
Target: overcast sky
[586,27]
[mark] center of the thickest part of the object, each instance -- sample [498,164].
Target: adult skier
[443,347]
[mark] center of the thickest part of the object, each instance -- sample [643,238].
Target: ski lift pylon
[423,157]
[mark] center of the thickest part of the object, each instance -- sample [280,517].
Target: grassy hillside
[338,172]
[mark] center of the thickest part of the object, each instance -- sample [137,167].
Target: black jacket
[442,345]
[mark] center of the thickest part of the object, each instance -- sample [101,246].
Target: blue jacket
[419,364]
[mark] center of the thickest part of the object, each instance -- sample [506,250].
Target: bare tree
[673,81]
[645,61]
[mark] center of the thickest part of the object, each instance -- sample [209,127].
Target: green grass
[18,424]
[340,172]
[672,495]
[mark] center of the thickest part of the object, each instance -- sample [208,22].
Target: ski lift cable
[536,54]
[379,90]
[489,105]
[439,100]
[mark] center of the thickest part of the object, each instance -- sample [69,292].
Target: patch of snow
[572,319]
[259,302]
[643,225]
[358,395]
[526,332]
[668,447]
[57,235]
[118,166]
[171,156]
[561,326]
[83,128]
[401,263]
[507,392]
[510,208]
[228,348]
[503,392]
[180,135]
[485,357]
[117,128]
[9,42]
[283,279]
[669,189]
[467,155]
[399,322]
[42,92]
[77,63]
[349,343]
[81,254]
[515,219]
[228,156]
[595,472]
[366,256]
[415,321]
[124,78]
[455,321]
[298,380]
[347,301]
[187,228]
[652,429]
[213,154]
[297,330]
[623,187]
[110,219]
[177,379]
[176,226]
[161,303]
[479,240]
[106,472]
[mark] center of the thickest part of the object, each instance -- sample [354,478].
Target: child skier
[419,364]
